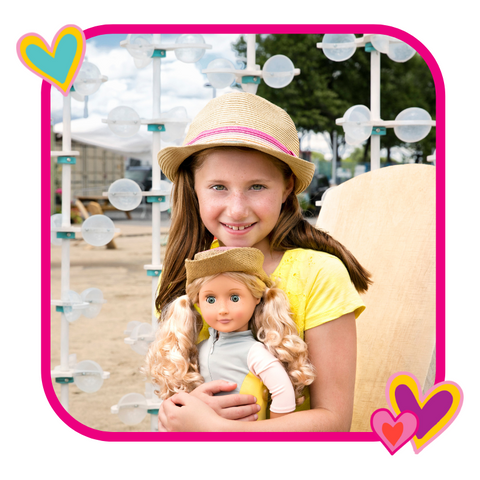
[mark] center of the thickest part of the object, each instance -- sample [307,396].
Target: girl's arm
[233,407]
[332,350]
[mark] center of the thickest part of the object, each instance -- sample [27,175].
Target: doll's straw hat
[227,259]
[241,120]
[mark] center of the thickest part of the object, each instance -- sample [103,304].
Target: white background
[37,440]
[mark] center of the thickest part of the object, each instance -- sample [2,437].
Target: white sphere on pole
[98,230]
[72,310]
[88,376]
[221,79]
[88,79]
[123,121]
[55,224]
[176,121]
[338,47]
[125,194]
[94,297]
[140,334]
[140,46]
[355,125]
[412,133]
[132,408]
[400,52]
[278,71]
[394,48]
[190,54]
[381,43]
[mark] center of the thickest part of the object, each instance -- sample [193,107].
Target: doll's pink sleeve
[269,369]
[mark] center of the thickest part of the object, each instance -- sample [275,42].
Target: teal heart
[58,66]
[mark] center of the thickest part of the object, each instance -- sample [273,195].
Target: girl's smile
[240,195]
[238,229]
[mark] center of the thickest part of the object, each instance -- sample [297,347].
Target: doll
[253,339]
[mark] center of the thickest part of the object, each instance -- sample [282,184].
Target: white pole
[156,173]
[65,266]
[156,176]
[334,158]
[250,87]
[66,169]
[251,51]
[375,107]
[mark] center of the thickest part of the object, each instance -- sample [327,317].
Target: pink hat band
[236,134]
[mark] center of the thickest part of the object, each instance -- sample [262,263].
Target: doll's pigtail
[276,329]
[172,359]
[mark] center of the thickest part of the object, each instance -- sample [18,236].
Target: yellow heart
[433,418]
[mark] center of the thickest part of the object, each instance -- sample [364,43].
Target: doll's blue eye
[235,298]
[210,299]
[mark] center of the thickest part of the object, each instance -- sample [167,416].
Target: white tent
[92,131]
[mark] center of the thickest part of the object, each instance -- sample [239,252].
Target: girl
[236,179]
[238,302]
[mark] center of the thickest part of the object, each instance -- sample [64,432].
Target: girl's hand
[185,413]
[232,407]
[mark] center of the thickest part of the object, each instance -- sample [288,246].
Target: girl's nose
[237,207]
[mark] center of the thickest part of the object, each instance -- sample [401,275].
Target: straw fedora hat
[227,259]
[241,120]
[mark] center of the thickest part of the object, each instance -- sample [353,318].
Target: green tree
[324,90]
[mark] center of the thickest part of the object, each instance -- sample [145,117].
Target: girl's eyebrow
[254,180]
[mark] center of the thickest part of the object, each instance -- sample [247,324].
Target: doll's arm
[273,375]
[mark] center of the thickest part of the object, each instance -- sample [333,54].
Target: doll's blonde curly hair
[172,359]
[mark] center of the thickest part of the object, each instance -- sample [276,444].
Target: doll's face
[226,305]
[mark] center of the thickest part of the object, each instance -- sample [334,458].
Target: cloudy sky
[182,84]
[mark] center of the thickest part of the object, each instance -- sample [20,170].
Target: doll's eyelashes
[210,299]
[235,298]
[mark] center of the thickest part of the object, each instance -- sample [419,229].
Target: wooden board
[386,218]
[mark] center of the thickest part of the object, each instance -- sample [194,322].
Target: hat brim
[170,159]
[221,260]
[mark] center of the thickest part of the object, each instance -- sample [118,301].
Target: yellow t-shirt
[318,287]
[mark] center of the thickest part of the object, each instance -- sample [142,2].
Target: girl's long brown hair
[189,236]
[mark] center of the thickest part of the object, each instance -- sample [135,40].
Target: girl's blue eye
[218,187]
[235,298]
[257,187]
[210,299]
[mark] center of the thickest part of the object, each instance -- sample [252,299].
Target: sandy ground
[120,275]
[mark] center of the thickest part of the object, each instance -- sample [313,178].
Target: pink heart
[394,432]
